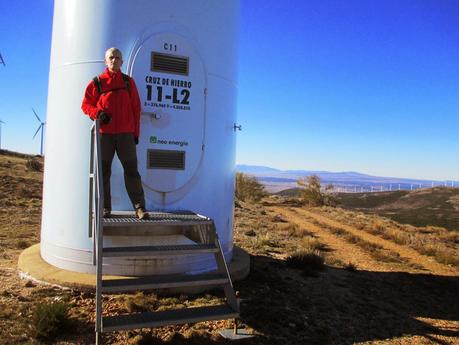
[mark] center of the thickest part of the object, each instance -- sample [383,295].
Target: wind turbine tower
[42,126]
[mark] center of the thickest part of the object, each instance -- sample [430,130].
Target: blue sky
[367,86]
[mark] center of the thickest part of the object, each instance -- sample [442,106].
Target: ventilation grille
[166,159]
[167,63]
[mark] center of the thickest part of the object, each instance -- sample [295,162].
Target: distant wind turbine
[1,133]
[42,126]
[2,61]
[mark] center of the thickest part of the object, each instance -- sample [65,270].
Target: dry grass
[293,230]
[313,244]
[433,241]
[263,242]
[373,249]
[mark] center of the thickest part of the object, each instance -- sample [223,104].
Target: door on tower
[171,81]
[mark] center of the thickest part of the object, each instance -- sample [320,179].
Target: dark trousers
[124,146]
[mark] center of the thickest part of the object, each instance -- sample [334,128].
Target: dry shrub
[22,244]
[441,255]
[397,236]
[49,320]
[337,231]
[250,233]
[312,194]
[333,261]
[145,339]
[34,164]
[248,188]
[379,226]
[448,257]
[350,267]
[293,230]
[141,302]
[313,244]
[451,237]
[263,241]
[309,261]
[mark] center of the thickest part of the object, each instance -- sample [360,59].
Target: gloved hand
[104,117]
[136,140]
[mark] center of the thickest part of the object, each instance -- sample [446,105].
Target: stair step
[168,317]
[156,218]
[163,281]
[181,249]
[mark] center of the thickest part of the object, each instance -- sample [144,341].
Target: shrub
[293,230]
[50,319]
[145,339]
[141,302]
[350,267]
[313,244]
[248,188]
[309,261]
[250,233]
[22,244]
[311,192]
[34,164]
[263,241]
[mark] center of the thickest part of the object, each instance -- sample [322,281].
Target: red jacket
[122,105]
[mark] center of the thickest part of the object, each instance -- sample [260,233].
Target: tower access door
[171,79]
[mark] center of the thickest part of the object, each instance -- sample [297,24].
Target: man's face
[113,61]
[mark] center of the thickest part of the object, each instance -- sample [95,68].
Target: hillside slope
[437,206]
[379,282]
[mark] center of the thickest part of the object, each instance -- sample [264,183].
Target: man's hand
[136,140]
[104,117]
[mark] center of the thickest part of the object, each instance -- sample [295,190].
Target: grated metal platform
[159,250]
[183,218]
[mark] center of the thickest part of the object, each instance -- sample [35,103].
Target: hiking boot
[107,213]
[141,213]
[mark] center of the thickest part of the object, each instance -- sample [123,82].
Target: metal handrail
[96,198]
[96,202]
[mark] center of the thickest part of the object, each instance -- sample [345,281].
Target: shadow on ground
[342,307]
[337,307]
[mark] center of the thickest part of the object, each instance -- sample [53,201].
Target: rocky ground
[381,282]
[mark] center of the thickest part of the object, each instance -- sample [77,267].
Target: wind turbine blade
[1,121]
[2,61]
[37,115]
[36,132]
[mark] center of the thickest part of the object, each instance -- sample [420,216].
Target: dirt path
[356,255]
[404,251]
[342,250]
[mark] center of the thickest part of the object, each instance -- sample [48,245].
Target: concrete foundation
[33,267]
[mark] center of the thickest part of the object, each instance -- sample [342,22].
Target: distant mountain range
[348,179]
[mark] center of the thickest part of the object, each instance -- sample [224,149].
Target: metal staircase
[199,229]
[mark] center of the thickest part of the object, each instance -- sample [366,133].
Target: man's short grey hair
[112,50]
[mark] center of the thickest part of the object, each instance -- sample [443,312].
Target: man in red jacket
[112,97]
